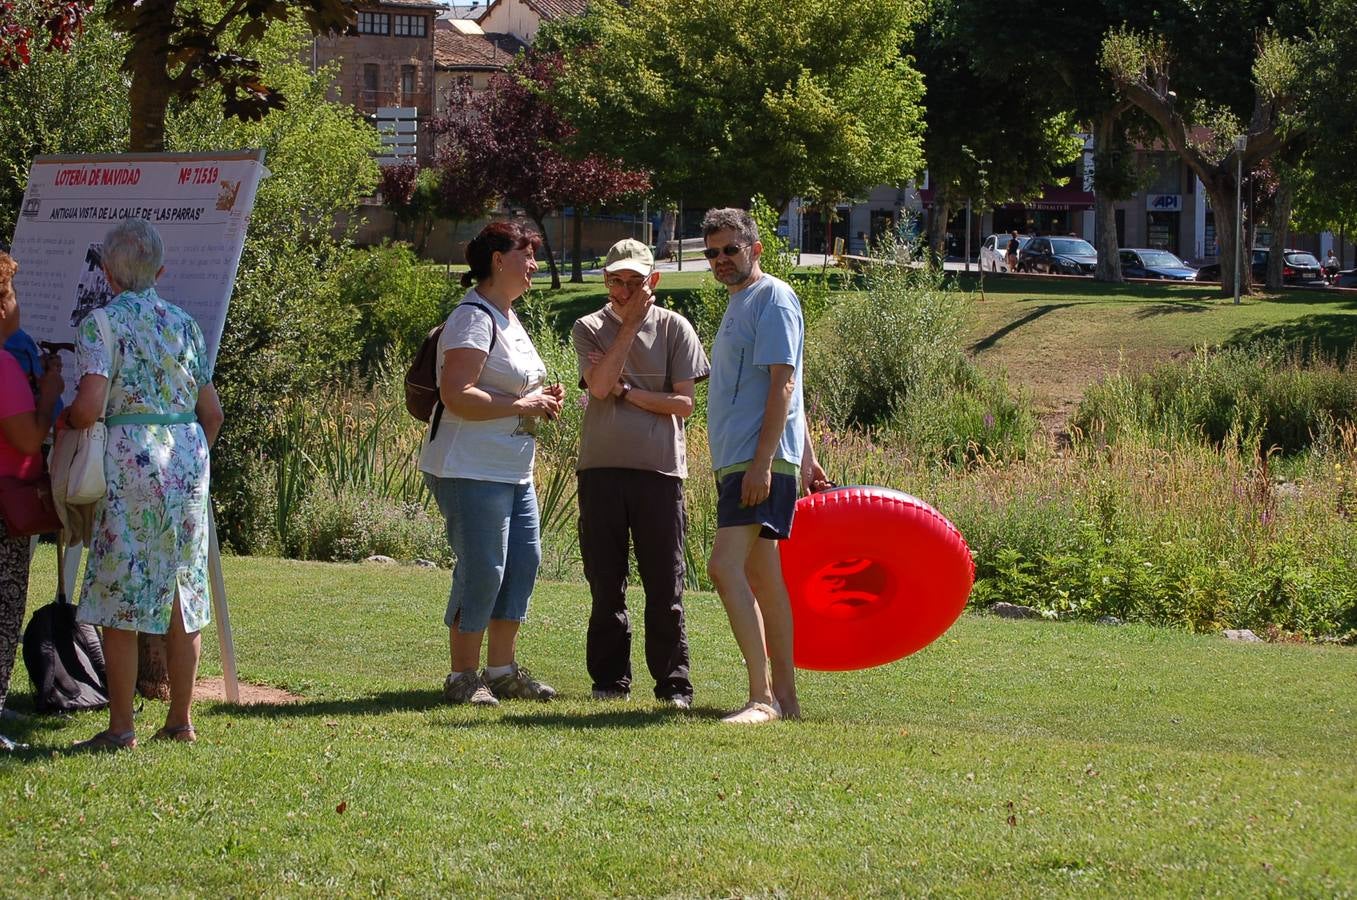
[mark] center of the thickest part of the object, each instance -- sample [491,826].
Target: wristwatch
[626,389]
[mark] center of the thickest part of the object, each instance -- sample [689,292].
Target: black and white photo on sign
[92,291]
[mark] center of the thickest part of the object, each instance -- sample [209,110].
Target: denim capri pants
[494,534]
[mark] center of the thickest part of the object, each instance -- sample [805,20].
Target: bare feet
[753,713]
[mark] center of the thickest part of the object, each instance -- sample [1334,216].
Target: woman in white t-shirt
[477,459]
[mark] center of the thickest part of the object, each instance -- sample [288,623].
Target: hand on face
[632,294]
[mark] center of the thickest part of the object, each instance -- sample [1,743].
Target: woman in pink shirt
[25,421]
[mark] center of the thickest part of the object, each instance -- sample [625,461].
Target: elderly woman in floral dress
[147,568]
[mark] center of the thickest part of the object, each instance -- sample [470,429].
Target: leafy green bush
[976,417]
[1257,399]
[356,524]
[394,299]
[869,354]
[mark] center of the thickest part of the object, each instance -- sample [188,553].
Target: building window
[407,85]
[372,79]
[374,23]
[411,26]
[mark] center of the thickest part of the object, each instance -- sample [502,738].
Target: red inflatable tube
[873,575]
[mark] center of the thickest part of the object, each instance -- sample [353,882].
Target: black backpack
[421,380]
[65,660]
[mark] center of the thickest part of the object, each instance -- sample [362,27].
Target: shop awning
[1070,196]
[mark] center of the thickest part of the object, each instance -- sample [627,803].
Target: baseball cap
[631,255]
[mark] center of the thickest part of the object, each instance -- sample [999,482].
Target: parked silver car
[994,252]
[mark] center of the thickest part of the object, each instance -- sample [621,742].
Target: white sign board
[199,202]
[1164,202]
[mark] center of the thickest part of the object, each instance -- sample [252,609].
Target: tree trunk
[546,245]
[576,239]
[1221,189]
[153,671]
[1107,135]
[1281,233]
[149,101]
[149,92]
[668,219]
[937,226]
[1105,239]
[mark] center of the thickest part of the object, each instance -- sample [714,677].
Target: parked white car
[994,252]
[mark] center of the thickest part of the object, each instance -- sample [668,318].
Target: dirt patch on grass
[250,694]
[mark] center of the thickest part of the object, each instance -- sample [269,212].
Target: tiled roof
[557,9]
[408,4]
[547,10]
[454,50]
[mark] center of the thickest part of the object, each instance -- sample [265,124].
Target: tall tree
[989,139]
[1203,133]
[1069,34]
[510,135]
[723,101]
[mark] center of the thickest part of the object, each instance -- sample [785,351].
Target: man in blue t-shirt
[756,427]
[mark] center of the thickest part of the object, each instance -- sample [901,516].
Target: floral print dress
[150,533]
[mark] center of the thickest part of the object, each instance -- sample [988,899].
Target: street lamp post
[1240,143]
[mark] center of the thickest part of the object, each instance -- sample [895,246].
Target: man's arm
[679,403]
[758,480]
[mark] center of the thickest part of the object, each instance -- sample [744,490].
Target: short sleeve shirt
[620,435]
[157,361]
[762,327]
[493,449]
[16,398]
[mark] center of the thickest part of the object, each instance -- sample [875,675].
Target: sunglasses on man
[728,250]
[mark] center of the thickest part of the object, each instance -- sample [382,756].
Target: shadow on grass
[989,341]
[612,718]
[1328,336]
[520,714]
[1169,308]
[370,704]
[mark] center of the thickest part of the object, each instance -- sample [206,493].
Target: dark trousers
[648,507]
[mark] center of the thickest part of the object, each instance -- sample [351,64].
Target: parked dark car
[1159,264]
[1298,267]
[1058,256]
[1346,279]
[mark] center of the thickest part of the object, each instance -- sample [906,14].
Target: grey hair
[132,254]
[737,220]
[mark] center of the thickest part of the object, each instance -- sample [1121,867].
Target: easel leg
[220,612]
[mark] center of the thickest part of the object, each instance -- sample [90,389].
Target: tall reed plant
[1259,399]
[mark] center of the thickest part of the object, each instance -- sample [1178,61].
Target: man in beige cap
[640,363]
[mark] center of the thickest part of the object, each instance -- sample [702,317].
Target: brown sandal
[184,734]
[106,741]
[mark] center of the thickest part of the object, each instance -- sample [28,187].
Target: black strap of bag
[494,336]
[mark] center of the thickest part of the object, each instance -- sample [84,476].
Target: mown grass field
[1022,758]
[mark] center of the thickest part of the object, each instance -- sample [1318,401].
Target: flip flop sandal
[184,734]
[106,741]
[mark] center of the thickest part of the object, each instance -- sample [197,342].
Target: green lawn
[1054,337]
[1009,757]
